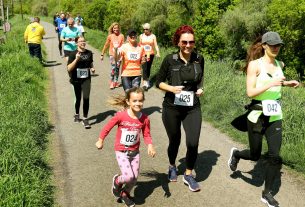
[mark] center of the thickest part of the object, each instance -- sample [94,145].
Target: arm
[162,75]
[199,91]
[156,47]
[252,72]
[147,138]
[105,131]
[72,65]
[106,45]
[26,35]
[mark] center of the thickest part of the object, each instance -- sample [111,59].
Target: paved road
[83,175]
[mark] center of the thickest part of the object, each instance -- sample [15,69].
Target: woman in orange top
[149,42]
[132,56]
[114,40]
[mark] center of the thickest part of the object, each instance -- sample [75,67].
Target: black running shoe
[233,161]
[269,200]
[125,198]
[86,124]
[116,188]
[172,173]
[76,118]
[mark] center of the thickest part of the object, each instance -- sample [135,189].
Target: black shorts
[67,53]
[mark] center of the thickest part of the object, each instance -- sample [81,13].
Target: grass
[24,172]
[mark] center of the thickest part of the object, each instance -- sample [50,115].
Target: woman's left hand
[199,92]
[92,70]
[291,83]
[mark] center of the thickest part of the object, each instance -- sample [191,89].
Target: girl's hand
[292,83]
[151,151]
[199,92]
[99,144]
[177,89]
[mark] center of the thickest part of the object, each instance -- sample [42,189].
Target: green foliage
[40,9]
[94,14]
[242,24]
[208,38]
[24,174]
[289,22]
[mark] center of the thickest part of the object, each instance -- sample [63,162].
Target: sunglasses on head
[184,42]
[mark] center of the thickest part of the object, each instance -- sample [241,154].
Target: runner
[149,42]
[80,27]
[60,23]
[32,36]
[264,81]
[114,40]
[130,123]
[132,56]
[80,64]
[68,36]
[181,76]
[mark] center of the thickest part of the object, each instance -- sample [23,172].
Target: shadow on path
[150,110]
[144,189]
[256,176]
[101,116]
[204,164]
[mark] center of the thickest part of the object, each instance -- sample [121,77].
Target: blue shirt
[60,24]
[68,32]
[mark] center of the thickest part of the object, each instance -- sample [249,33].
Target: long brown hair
[119,101]
[255,51]
[110,29]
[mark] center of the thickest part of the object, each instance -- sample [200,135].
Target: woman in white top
[149,42]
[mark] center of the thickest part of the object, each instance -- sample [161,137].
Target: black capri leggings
[146,67]
[130,81]
[191,121]
[82,88]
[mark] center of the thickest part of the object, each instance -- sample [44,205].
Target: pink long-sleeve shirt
[128,131]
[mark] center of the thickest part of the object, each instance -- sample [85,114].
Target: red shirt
[128,131]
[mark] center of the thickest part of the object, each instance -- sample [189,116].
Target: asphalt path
[83,175]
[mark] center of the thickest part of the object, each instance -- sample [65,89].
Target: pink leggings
[129,169]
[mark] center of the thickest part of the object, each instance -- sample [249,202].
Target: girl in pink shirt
[131,122]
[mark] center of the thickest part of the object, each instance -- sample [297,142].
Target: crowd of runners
[181,76]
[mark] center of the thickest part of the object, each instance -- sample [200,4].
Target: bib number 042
[271,107]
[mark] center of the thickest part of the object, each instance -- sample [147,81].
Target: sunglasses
[184,42]
[145,29]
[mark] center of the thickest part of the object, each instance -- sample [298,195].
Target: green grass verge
[24,172]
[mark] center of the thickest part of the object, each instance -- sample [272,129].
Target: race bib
[82,72]
[129,138]
[62,25]
[147,48]
[185,98]
[271,107]
[133,55]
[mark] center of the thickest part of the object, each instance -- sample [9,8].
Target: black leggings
[130,81]
[79,89]
[191,121]
[59,42]
[273,134]
[146,67]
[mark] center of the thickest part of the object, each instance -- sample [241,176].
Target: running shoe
[116,188]
[233,161]
[86,124]
[191,182]
[269,200]
[112,86]
[172,174]
[76,118]
[125,198]
[145,86]
[117,84]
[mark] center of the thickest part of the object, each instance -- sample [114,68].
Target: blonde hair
[119,101]
[146,26]
[110,29]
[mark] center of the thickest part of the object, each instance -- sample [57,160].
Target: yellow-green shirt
[273,93]
[34,33]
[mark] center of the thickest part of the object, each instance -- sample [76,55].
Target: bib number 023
[185,98]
